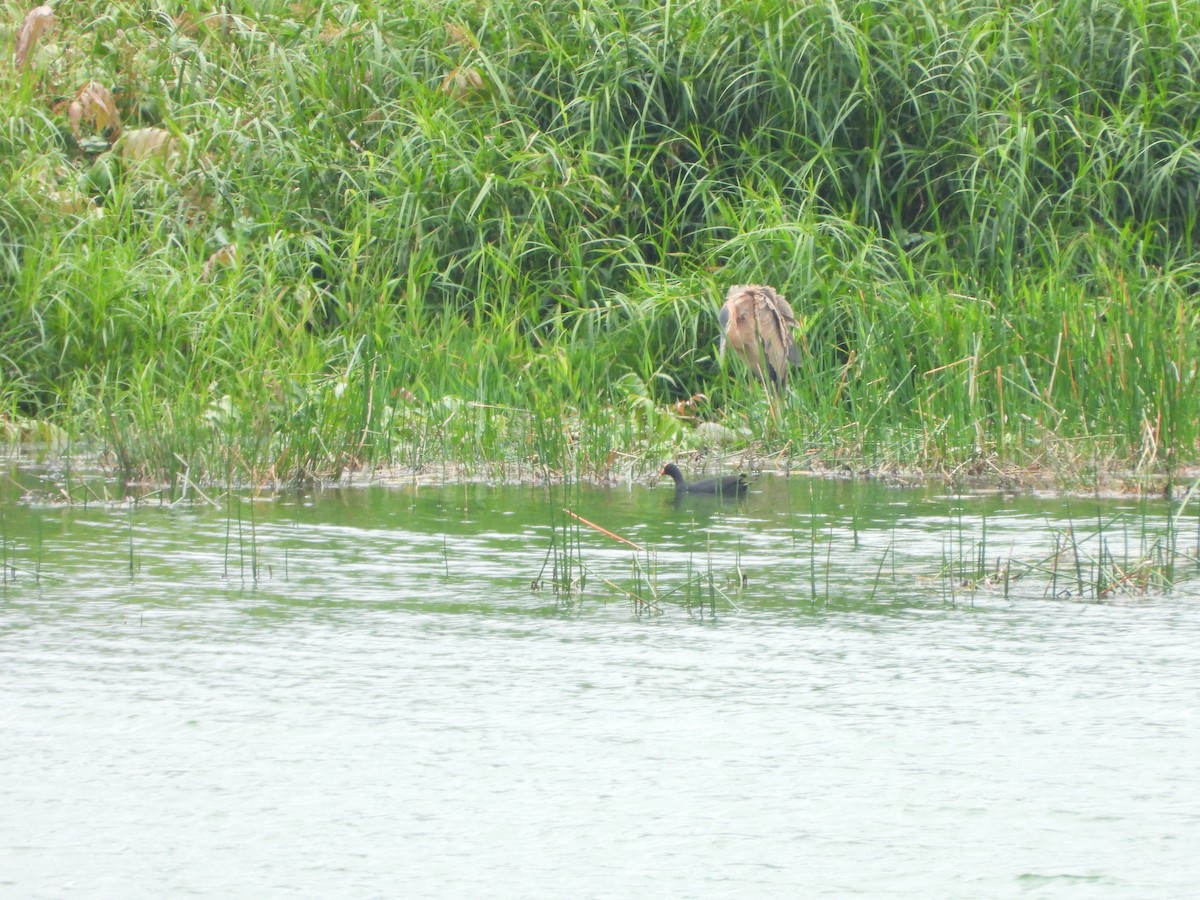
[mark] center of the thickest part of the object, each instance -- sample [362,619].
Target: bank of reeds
[280,240]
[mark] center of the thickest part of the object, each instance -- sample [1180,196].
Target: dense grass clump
[280,240]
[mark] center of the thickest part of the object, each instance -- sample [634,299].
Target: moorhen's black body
[728,485]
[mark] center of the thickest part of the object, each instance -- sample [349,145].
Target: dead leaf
[146,143]
[331,31]
[226,256]
[219,24]
[94,103]
[460,35]
[461,82]
[74,203]
[39,21]
[59,188]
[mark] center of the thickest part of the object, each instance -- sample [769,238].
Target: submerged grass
[844,551]
[1113,558]
[649,588]
[281,241]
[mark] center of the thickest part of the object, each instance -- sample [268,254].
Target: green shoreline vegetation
[283,241]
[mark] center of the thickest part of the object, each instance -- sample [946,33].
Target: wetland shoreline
[306,243]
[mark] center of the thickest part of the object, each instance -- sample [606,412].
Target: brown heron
[728,485]
[757,323]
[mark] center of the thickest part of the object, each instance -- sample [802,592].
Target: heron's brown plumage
[757,323]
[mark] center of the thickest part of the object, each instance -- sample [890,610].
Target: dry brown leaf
[460,35]
[94,103]
[58,187]
[226,256]
[37,23]
[226,23]
[71,201]
[462,82]
[218,24]
[331,31]
[146,143]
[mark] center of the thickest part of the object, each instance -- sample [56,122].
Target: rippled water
[358,694]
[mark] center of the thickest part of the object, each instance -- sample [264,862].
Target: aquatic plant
[649,587]
[1116,557]
[270,241]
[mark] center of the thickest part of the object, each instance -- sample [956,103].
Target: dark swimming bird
[728,485]
[757,323]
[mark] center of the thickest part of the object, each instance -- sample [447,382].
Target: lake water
[814,692]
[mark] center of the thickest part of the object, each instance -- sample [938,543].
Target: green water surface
[825,689]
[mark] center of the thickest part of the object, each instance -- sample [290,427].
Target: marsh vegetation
[280,241]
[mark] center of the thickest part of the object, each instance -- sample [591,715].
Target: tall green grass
[497,234]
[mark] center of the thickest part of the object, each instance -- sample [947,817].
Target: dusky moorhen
[727,485]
